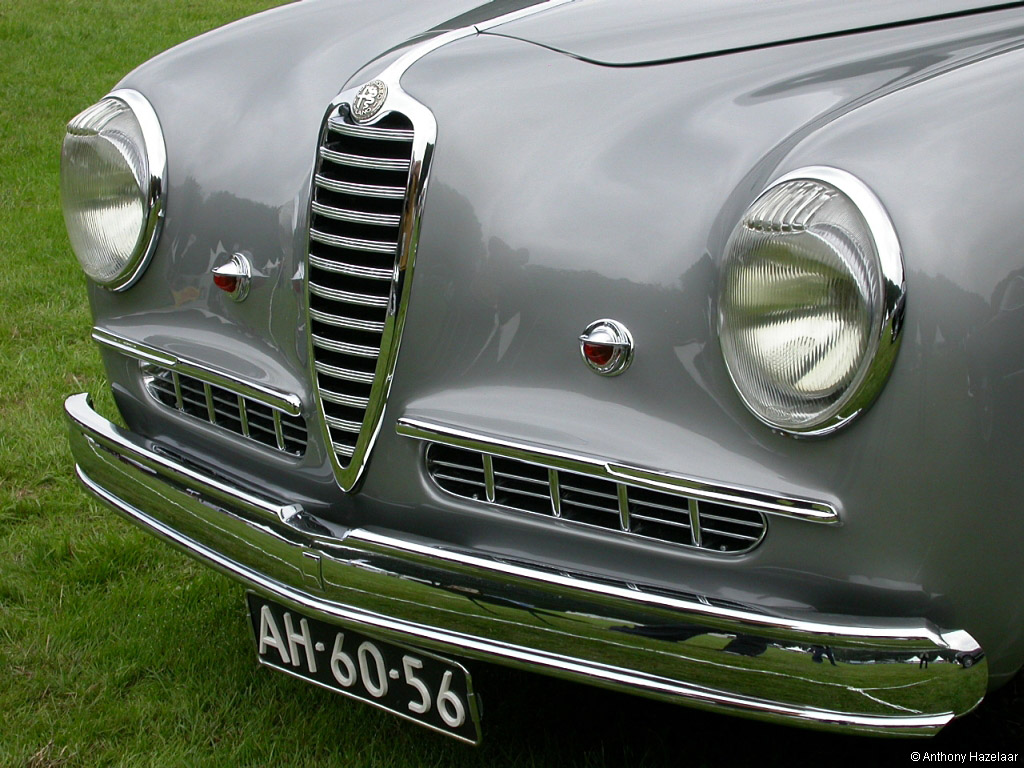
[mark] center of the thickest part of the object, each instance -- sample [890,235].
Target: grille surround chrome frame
[348,468]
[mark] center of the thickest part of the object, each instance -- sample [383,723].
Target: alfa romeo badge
[369,99]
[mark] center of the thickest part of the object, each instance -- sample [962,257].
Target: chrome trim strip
[290,404]
[360,190]
[356,217]
[802,509]
[352,243]
[591,629]
[772,504]
[358,161]
[352,270]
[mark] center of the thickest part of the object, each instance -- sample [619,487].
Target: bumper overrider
[862,674]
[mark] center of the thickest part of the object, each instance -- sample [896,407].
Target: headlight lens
[811,301]
[113,165]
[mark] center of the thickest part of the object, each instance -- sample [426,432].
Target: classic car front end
[682,365]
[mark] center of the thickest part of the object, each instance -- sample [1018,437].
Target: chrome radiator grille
[594,501]
[367,183]
[244,416]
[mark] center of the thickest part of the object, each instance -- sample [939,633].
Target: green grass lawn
[115,650]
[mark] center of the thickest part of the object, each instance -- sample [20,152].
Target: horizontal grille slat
[463,467]
[737,536]
[356,350]
[458,479]
[520,492]
[244,416]
[344,373]
[353,243]
[344,450]
[339,321]
[598,494]
[662,507]
[356,217]
[660,521]
[338,398]
[360,161]
[262,428]
[344,424]
[594,501]
[352,270]
[384,191]
[520,478]
[338,125]
[348,297]
[732,521]
[585,505]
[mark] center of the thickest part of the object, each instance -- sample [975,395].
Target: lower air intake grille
[244,416]
[579,498]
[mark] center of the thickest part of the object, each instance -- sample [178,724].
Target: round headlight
[811,301]
[112,172]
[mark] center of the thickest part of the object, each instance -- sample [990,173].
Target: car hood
[625,32]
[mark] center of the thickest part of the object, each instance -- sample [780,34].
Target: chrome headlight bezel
[884,265]
[151,178]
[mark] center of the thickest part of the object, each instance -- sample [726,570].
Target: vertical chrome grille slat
[244,416]
[177,389]
[556,492]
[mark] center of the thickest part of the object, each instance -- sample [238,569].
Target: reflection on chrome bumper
[846,673]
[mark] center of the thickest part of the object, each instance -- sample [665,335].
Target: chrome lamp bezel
[154,191]
[887,322]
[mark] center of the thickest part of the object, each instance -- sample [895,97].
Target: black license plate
[412,683]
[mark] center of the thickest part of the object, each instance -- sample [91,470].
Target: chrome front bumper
[837,672]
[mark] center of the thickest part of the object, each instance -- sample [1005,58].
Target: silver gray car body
[581,173]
